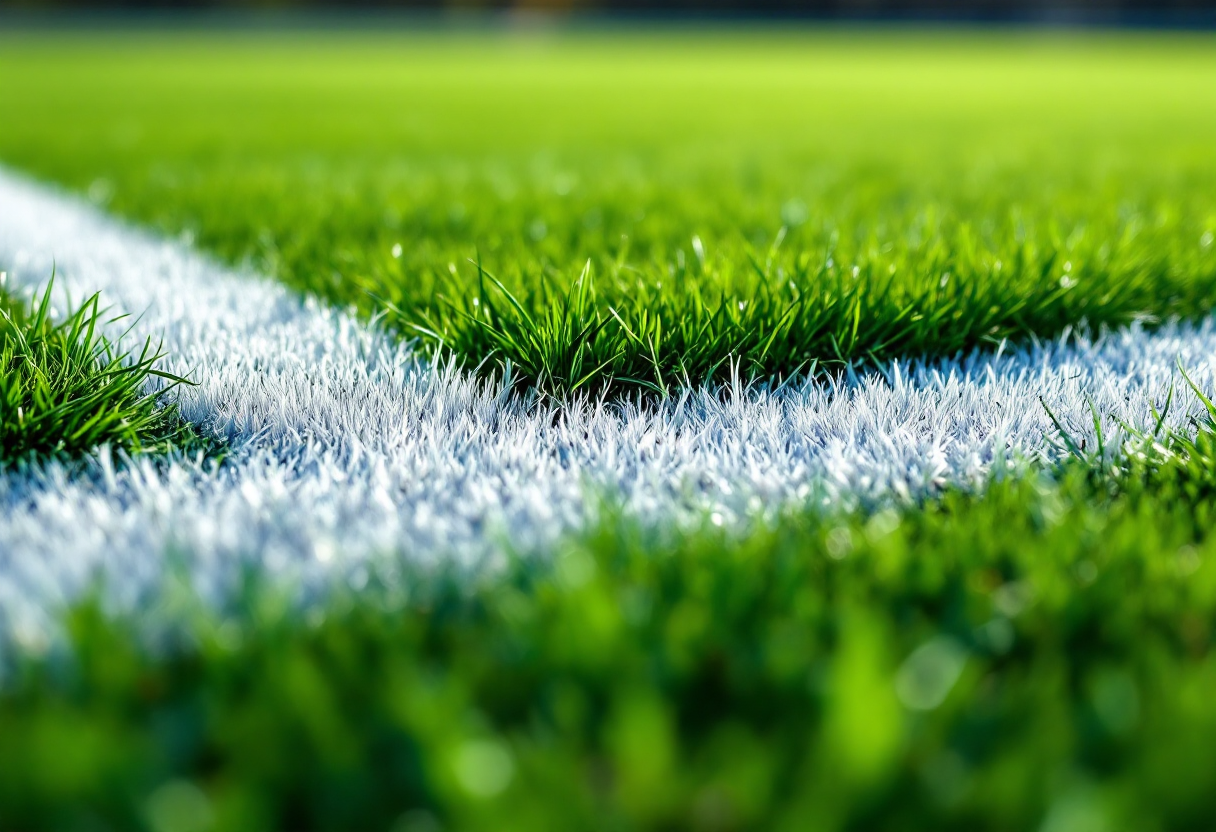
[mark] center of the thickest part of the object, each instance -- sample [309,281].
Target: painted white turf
[350,453]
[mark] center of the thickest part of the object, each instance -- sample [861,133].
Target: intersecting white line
[350,453]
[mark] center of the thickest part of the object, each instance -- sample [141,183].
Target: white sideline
[348,449]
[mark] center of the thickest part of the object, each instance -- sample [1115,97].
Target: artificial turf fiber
[636,210]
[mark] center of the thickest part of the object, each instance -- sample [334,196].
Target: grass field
[682,429]
[789,200]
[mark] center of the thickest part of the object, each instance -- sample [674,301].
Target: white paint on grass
[350,453]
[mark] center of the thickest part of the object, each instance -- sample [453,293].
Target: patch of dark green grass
[1040,656]
[67,390]
[770,315]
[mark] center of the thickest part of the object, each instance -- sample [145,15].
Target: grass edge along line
[569,341]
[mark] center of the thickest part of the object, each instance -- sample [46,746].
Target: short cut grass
[629,210]
[1034,656]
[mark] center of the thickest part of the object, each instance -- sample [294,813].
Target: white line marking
[349,450]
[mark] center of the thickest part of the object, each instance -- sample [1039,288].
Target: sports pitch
[607,429]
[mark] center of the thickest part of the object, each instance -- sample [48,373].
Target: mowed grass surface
[782,201]
[1038,656]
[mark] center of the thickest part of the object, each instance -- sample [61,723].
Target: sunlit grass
[67,390]
[622,212]
[764,202]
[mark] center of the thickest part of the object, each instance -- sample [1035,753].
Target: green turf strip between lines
[782,201]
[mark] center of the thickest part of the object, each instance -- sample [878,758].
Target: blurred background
[1188,13]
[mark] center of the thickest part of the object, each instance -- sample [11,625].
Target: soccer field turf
[611,429]
[785,200]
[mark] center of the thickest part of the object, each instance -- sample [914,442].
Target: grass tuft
[66,390]
[783,316]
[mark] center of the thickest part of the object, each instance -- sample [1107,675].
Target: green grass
[66,390]
[897,671]
[780,200]
[1035,656]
